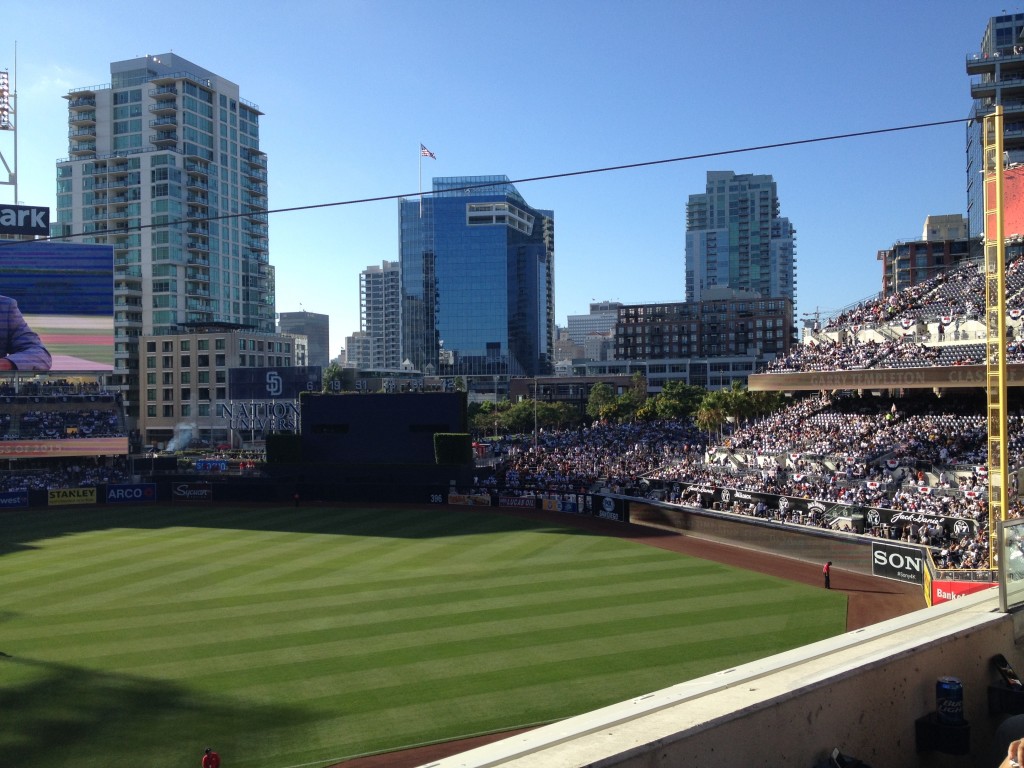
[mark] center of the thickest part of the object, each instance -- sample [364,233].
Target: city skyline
[595,86]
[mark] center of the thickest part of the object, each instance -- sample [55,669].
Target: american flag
[424,152]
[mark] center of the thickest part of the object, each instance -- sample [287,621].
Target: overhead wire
[524,180]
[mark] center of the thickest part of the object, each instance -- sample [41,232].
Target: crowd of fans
[573,461]
[921,455]
[64,423]
[80,472]
[931,323]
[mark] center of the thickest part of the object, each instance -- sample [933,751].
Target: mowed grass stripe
[522,598]
[410,630]
[312,641]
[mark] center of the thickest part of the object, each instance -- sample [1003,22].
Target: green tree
[678,400]
[333,373]
[710,414]
[737,403]
[765,403]
[519,417]
[488,418]
[600,401]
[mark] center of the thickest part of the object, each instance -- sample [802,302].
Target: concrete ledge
[861,691]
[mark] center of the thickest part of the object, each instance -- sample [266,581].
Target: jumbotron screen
[63,321]
[56,341]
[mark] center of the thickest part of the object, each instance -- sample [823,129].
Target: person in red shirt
[211,759]
[827,571]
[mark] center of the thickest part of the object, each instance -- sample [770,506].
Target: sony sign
[24,220]
[900,563]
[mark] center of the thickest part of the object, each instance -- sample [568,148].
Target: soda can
[949,700]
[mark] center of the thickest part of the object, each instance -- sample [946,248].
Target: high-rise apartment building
[997,78]
[317,330]
[380,316]
[735,238]
[478,270]
[156,159]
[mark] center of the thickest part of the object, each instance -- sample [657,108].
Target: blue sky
[351,88]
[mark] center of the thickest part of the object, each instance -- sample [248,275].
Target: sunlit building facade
[164,164]
[736,238]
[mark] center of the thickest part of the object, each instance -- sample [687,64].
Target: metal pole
[534,411]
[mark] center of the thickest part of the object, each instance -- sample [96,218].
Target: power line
[548,177]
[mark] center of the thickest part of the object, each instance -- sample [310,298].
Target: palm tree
[710,415]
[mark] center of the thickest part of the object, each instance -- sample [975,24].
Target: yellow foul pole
[995,326]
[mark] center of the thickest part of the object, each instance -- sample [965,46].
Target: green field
[286,637]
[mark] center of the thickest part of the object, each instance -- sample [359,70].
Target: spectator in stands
[20,346]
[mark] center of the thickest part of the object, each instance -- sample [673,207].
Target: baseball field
[309,636]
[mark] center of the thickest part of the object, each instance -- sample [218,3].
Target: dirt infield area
[870,600]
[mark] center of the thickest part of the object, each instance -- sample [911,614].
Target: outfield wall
[849,552]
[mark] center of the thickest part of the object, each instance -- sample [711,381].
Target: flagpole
[421,181]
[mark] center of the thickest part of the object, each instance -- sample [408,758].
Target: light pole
[534,411]
[495,407]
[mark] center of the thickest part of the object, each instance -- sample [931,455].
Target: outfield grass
[286,637]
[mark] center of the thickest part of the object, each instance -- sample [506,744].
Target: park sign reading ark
[24,220]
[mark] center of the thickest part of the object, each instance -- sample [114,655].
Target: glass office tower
[477,280]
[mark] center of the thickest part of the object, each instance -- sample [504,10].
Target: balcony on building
[198,289]
[979,62]
[119,218]
[1009,86]
[256,230]
[168,139]
[83,118]
[128,196]
[255,158]
[80,148]
[254,172]
[81,102]
[196,182]
[162,108]
[127,288]
[164,92]
[195,244]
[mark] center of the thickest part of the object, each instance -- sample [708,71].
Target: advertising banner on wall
[63,497]
[192,492]
[11,499]
[131,493]
[943,591]
[610,508]
[897,562]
